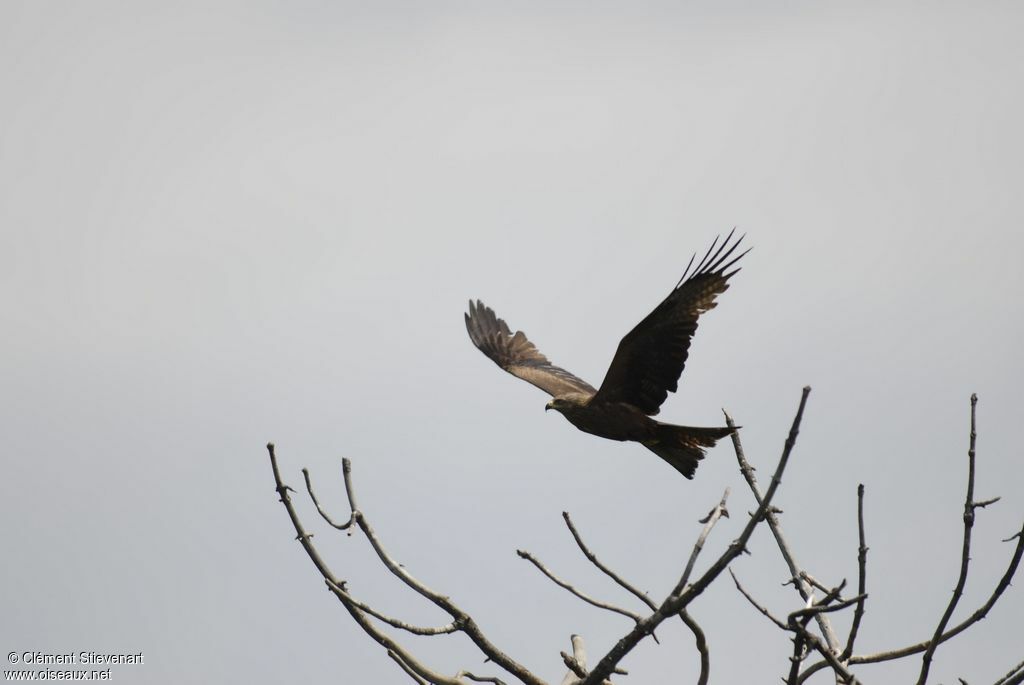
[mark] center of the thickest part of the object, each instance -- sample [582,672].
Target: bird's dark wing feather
[649,360]
[517,355]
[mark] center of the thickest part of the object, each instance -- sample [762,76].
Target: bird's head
[564,403]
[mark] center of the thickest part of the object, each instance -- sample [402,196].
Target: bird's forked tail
[684,446]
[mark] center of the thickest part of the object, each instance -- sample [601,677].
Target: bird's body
[646,367]
[612,420]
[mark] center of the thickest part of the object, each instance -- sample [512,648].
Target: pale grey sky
[228,223]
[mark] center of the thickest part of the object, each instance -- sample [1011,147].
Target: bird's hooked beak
[549,405]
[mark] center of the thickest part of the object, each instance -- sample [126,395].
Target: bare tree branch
[709,522]
[463,621]
[701,642]
[862,561]
[699,638]
[698,634]
[344,595]
[480,679]
[567,586]
[797,623]
[965,557]
[806,592]
[1017,679]
[837,666]
[384,640]
[579,653]
[1014,677]
[324,514]
[405,667]
[642,596]
[814,582]
[980,613]
[763,610]
[830,609]
[573,665]
[941,634]
[577,663]
[835,658]
[676,603]
[395,650]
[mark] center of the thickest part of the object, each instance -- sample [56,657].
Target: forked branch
[461,621]
[700,639]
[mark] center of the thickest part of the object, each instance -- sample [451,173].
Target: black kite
[646,366]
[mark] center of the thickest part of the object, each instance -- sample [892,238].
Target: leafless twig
[763,610]
[701,642]
[577,663]
[814,582]
[326,517]
[394,622]
[567,586]
[709,523]
[862,561]
[480,679]
[642,596]
[965,558]
[405,667]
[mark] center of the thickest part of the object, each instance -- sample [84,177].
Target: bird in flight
[646,366]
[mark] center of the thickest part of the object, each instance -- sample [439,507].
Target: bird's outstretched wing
[517,355]
[649,360]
